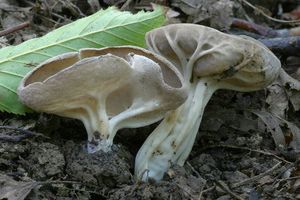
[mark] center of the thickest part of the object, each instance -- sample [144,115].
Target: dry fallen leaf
[292,88]
[14,190]
[286,135]
[273,126]
[217,13]
[277,100]
[295,133]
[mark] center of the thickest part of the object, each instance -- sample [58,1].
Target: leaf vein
[42,54]
[66,47]
[129,29]
[11,90]
[92,41]
[133,42]
[11,73]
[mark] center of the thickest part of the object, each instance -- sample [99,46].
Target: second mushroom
[208,60]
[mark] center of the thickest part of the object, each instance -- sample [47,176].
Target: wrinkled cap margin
[239,62]
[107,89]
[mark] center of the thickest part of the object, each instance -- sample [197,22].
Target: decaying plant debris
[247,146]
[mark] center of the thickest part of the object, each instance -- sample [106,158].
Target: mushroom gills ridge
[208,60]
[107,89]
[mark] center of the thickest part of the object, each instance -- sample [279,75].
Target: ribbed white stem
[172,141]
[99,130]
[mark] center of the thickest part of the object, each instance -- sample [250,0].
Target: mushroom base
[97,145]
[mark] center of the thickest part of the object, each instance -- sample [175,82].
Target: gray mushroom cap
[108,88]
[238,62]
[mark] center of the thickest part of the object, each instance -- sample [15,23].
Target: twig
[289,46]
[263,30]
[255,178]
[47,19]
[258,10]
[205,191]
[17,138]
[186,191]
[193,169]
[125,5]
[247,149]
[72,7]
[289,167]
[14,29]
[225,187]
[288,179]
[252,27]
[201,191]
[66,20]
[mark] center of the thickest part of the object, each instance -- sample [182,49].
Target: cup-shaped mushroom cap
[107,88]
[239,62]
[56,88]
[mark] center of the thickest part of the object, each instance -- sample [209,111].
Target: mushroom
[208,60]
[107,89]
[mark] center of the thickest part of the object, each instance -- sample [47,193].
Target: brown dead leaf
[295,132]
[170,14]
[277,100]
[221,14]
[273,126]
[3,42]
[293,15]
[292,88]
[287,138]
[14,190]
[94,4]
[217,13]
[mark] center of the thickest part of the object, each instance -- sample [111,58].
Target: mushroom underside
[107,89]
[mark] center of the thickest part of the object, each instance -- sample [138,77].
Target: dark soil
[234,156]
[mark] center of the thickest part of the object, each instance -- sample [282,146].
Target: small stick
[289,46]
[289,167]
[193,169]
[26,134]
[14,138]
[186,191]
[247,149]
[252,27]
[201,191]
[260,11]
[209,189]
[125,5]
[255,178]
[263,30]
[16,129]
[14,29]
[225,187]
[288,179]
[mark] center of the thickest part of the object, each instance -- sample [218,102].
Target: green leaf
[109,27]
